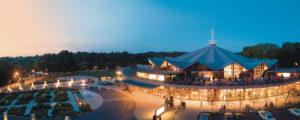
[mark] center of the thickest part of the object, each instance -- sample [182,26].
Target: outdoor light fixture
[20,87]
[119,72]
[71,83]
[45,84]
[160,110]
[83,83]
[57,84]
[32,86]
[9,89]
[286,75]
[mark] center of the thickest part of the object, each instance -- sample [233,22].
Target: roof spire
[212,42]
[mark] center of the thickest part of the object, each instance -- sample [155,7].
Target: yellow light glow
[83,83]
[57,84]
[119,72]
[286,75]
[160,111]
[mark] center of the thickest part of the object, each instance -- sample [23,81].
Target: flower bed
[2,110]
[85,108]
[61,95]
[40,110]
[63,109]
[43,96]
[2,95]
[7,100]
[17,111]
[26,98]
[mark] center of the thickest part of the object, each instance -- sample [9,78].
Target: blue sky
[159,25]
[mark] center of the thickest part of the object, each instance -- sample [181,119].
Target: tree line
[65,61]
[288,55]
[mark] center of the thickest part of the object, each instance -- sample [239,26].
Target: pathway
[13,102]
[30,105]
[52,103]
[72,101]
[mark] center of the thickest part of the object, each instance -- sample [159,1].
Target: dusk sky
[31,27]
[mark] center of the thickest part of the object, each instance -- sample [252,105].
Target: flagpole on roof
[212,41]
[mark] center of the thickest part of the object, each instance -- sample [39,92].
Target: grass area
[98,74]
[17,111]
[40,110]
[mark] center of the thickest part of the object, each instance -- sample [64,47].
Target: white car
[265,115]
[295,112]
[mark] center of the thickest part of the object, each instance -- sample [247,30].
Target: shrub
[17,111]
[41,110]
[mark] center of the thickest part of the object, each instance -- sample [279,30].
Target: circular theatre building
[215,77]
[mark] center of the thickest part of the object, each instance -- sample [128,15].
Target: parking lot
[279,115]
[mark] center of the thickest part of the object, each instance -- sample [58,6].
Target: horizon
[38,27]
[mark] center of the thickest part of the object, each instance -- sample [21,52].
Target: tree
[261,51]
[289,55]
[6,71]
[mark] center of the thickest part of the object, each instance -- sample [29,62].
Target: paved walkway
[52,103]
[30,105]
[72,101]
[13,102]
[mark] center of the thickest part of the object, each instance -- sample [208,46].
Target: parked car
[265,115]
[228,116]
[239,116]
[204,116]
[295,112]
[105,83]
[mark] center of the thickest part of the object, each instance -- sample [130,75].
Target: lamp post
[57,84]
[67,118]
[5,115]
[45,84]
[33,117]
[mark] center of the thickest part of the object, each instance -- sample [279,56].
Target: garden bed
[61,95]
[26,98]
[7,100]
[64,109]
[40,110]
[17,111]
[85,108]
[43,96]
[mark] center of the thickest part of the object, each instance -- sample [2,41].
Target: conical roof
[215,58]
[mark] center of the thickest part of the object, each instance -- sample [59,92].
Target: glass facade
[253,95]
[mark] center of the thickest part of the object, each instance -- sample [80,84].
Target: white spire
[212,42]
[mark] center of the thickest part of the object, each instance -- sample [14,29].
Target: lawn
[98,74]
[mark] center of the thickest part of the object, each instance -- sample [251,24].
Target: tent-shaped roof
[214,58]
